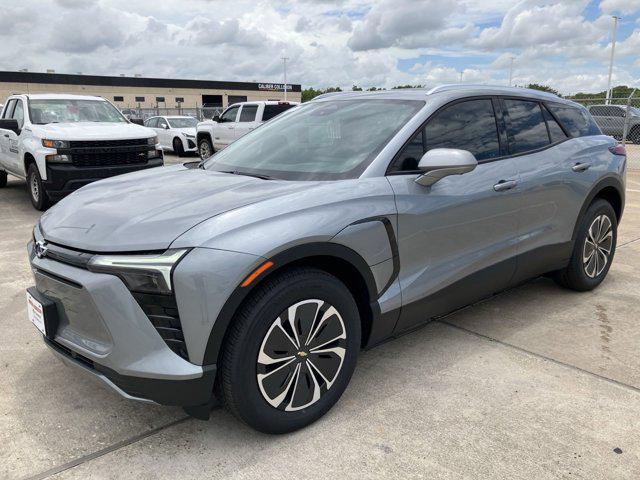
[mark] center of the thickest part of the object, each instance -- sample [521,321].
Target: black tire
[177,147]
[3,179]
[244,379]
[582,275]
[634,135]
[205,148]
[36,189]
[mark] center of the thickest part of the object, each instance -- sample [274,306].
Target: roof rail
[458,86]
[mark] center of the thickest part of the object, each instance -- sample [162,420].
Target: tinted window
[598,111]
[576,120]
[236,99]
[230,115]
[555,130]
[408,158]
[469,125]
[271,111]
[18,114]
[152,122]
[8,109]
[526,128]
[248,113]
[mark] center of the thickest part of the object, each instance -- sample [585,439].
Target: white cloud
[620,6]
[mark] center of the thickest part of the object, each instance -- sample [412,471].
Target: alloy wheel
[35,188]
[205,150]
[597,246]
[301,355]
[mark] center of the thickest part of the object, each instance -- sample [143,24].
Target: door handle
[504,185]
[580,167]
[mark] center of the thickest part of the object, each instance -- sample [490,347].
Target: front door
[224,131]
[456,238]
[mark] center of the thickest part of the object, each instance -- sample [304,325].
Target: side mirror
[165,126]
[442,162]
[10,124]
[137,121]
[216,117]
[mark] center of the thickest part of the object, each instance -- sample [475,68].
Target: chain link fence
[620,118]
[201,113]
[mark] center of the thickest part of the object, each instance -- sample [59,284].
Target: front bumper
[63,179]
[103,331]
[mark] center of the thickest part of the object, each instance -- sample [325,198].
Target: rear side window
[248,113]
[271,111]
[555,130]
[469,125]
[526,127]
[576,120]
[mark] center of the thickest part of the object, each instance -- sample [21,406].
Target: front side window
[152,122]
[182,122]
[468,125]
[18,114]
[328,140]
[526,128]
[576,120]
[229,115]
[162,123]
[248,113]
[71,111]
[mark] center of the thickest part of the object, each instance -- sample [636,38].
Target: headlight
[58,158]
[153,140]
[141,273]
[55,143]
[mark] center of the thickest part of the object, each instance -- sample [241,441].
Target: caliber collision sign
[276,87]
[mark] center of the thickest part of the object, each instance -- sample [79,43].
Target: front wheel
[205,149]
[634,135]
[594,249]
[36,188]
[291,351]
[177,147]
[3,179]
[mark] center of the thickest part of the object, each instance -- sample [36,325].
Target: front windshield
[182,122]
[318,141]
[70,111]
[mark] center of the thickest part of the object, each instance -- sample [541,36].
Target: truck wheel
[205,149]
[177,147]
[291,350]
[36,188]
[3,179]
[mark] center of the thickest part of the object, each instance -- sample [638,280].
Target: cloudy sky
[565,44]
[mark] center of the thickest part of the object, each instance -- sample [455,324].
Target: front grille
[103,153]
[162,311]
[70,353]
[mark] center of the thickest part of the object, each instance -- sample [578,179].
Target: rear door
[224,130]
[12,159]
[247,120]
[456,238]
[5,135]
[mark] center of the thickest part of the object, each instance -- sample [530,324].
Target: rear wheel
[291,351]
[205,149]
[177,147]
[36,188]
[594,249]
[3,179]
[634,135]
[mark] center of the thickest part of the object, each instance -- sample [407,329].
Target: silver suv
[260,273]
[612,119]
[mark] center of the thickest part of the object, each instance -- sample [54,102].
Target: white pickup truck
[234,122]
[59,143]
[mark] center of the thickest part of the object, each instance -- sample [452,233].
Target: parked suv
[235,121]
[264,270]
[177,133]
[60,143]
[612,118]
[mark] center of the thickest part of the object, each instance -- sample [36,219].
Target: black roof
[99,80]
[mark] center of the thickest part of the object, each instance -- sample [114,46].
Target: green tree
[356,88]
[544,88]
[311,93]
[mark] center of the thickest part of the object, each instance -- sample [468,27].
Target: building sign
[274,87]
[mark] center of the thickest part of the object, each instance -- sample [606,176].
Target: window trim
[502,133]
[9,108]
[245,105]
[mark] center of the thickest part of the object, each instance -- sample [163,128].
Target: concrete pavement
[537,382]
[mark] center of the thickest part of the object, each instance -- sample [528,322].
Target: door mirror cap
[10,124]
[216,117]
[442,162]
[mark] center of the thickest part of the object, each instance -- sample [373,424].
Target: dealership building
[141,92]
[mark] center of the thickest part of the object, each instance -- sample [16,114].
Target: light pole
[461,73]
[613,51]
[284,64]
[511,69]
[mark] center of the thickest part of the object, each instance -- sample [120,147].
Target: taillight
[618,149]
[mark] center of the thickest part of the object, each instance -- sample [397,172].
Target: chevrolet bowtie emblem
[302,354]
[41,249]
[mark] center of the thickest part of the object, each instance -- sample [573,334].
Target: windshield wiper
[255,175]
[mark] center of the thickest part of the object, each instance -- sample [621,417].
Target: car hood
[93,131]
[148,210]
[187,130]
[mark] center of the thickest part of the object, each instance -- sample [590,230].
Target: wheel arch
[201,135]
[340,261]
[610,189]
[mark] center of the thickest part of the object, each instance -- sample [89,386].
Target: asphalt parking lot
[537,382]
